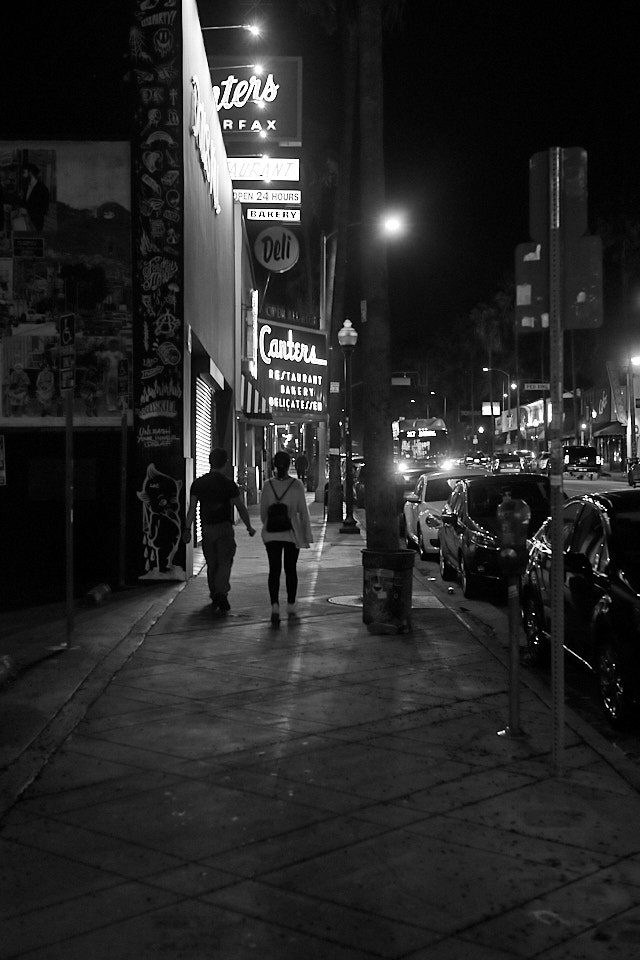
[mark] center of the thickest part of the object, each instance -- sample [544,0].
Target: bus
[420,439]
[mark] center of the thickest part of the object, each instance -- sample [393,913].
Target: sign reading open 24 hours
[277,249]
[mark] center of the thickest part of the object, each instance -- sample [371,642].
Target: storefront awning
[612,430]
[253,403]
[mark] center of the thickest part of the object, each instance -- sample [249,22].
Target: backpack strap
[279,498]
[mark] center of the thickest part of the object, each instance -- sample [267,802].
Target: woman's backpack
[277,514]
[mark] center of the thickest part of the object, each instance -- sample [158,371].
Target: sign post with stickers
[67,368]
[558,287]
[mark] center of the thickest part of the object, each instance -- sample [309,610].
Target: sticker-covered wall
[158,258]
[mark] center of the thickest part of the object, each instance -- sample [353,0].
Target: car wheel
[536,652]
[446,570]
[612,685]
[469,581]
[424,553]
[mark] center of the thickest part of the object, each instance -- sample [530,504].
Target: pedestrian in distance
[302,465]
[218,495]
[284,532]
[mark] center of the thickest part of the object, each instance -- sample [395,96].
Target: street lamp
[507,381]
[632,444]
[237,26]
[347,338]
[330,278]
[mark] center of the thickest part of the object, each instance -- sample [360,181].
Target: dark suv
[601,594]
[469,533]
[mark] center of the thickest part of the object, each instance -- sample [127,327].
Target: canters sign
[251,104]
[277,249]
[292,366]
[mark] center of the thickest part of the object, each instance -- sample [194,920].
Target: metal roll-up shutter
[203,438]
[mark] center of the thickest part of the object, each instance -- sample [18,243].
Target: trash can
[387,590]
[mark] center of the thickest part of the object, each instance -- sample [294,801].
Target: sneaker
[292,610]
[275,615]
[224,605]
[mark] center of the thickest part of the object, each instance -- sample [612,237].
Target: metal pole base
[349,525]
[514,733]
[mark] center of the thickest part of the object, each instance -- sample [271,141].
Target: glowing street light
[250,27]
[508,384]
[388,225]
[632,443]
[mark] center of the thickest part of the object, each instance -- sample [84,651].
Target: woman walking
[284,532]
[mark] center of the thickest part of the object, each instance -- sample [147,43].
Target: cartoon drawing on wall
[160,496]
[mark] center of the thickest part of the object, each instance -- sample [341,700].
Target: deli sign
[277,249]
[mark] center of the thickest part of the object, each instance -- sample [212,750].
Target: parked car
[580,462]
[403,474]
[423,508]
[468,537]
[506,463]
[601,594]
[633,471]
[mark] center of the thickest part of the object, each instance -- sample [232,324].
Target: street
[492,614]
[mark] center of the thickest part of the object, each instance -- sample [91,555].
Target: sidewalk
[184,785]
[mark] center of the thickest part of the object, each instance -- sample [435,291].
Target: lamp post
[347,338]
[332,280]
[237,26]
[507,381]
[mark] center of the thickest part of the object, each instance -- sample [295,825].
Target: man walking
[218,495]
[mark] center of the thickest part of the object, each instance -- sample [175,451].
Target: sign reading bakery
[292,371]
[258,101]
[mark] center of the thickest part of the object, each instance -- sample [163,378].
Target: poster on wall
[65,249]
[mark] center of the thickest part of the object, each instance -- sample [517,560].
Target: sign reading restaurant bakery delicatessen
[292,369]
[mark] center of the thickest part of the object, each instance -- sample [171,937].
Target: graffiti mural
[156,57]
[160,497]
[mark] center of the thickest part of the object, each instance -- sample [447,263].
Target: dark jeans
[219,548]
[276,550]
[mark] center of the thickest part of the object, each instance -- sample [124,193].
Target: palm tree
[363,19]
[382,519]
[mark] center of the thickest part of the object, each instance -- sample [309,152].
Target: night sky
[474,90]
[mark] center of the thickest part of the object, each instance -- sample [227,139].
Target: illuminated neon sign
[204,142]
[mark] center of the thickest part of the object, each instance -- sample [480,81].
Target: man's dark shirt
[215,493]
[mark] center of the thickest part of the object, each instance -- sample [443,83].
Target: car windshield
[439,489]
[484,500]
[579,454]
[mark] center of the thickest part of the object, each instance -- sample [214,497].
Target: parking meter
[514,517]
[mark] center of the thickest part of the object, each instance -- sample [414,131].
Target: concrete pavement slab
[222,788]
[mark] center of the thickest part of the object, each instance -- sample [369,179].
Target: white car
[423,508]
